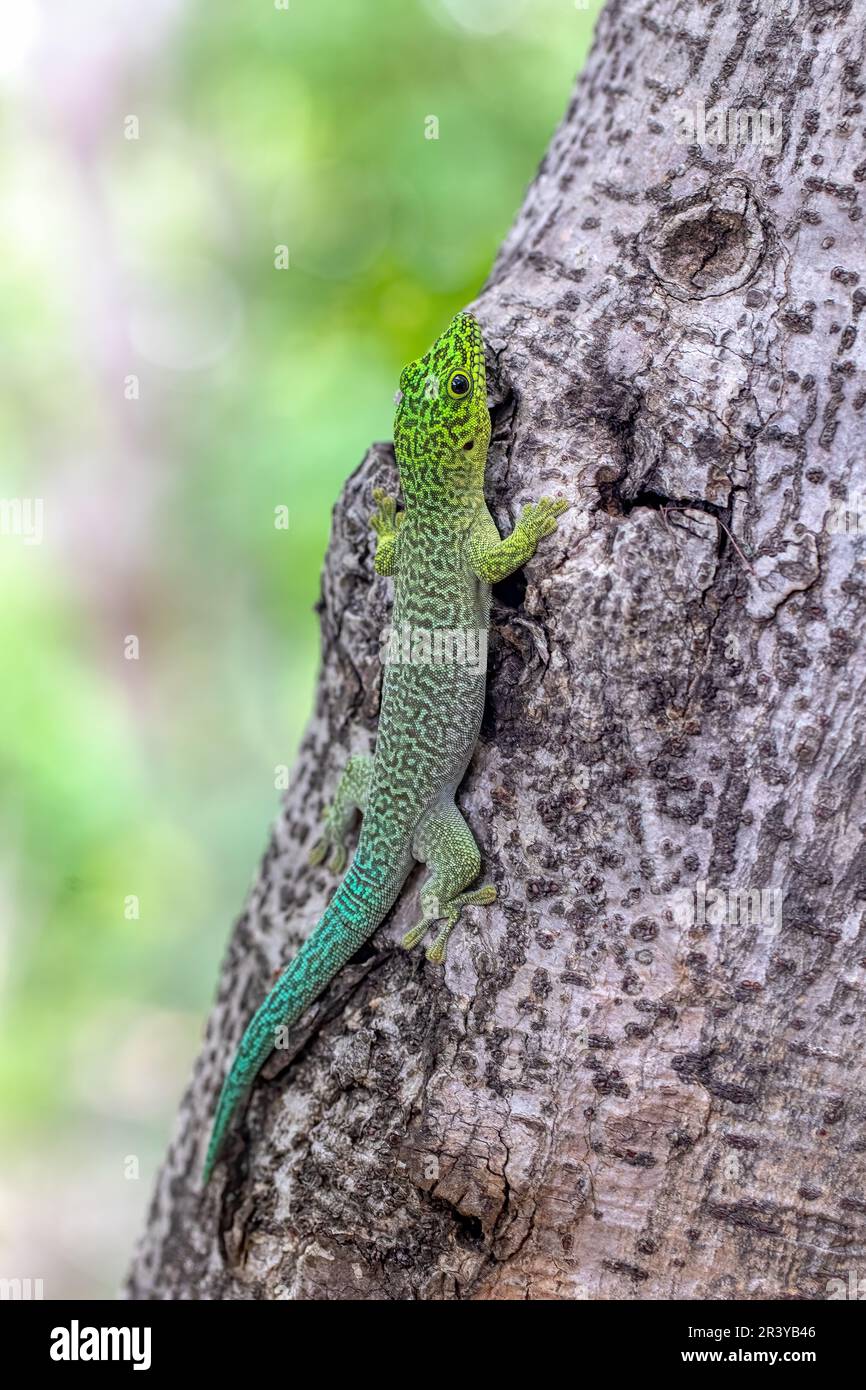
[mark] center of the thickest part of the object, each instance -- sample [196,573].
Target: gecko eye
[459,385]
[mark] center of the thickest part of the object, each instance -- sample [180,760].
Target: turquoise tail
[354,913]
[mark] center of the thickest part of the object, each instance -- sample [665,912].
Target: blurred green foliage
[153,257]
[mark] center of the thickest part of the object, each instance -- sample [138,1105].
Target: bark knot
[708,244]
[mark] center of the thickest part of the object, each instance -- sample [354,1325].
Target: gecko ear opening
[470,444]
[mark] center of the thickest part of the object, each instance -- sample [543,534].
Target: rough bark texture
[595,1098]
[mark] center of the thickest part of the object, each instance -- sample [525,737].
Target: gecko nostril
[470,444]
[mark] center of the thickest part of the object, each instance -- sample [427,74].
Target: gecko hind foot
[412,937]
[318,853]
[349,798]
[448,914]
[326,847]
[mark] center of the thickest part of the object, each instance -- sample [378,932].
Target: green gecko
[444,552]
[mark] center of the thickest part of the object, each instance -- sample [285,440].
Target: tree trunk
[622,1084]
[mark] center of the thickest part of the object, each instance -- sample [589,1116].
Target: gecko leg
[350,797]
[444,841]
[386,522]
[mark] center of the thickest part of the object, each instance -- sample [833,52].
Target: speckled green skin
[444,552]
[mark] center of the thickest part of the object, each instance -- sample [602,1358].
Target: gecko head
[442,424]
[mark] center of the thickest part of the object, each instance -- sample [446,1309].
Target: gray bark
[600,1096]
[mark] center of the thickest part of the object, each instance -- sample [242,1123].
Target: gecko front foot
[386,522]
[538,519]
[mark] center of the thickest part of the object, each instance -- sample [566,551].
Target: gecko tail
[354,913]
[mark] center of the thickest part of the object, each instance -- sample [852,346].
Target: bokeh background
[166,387]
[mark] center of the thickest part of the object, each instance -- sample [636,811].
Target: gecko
[443,551]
